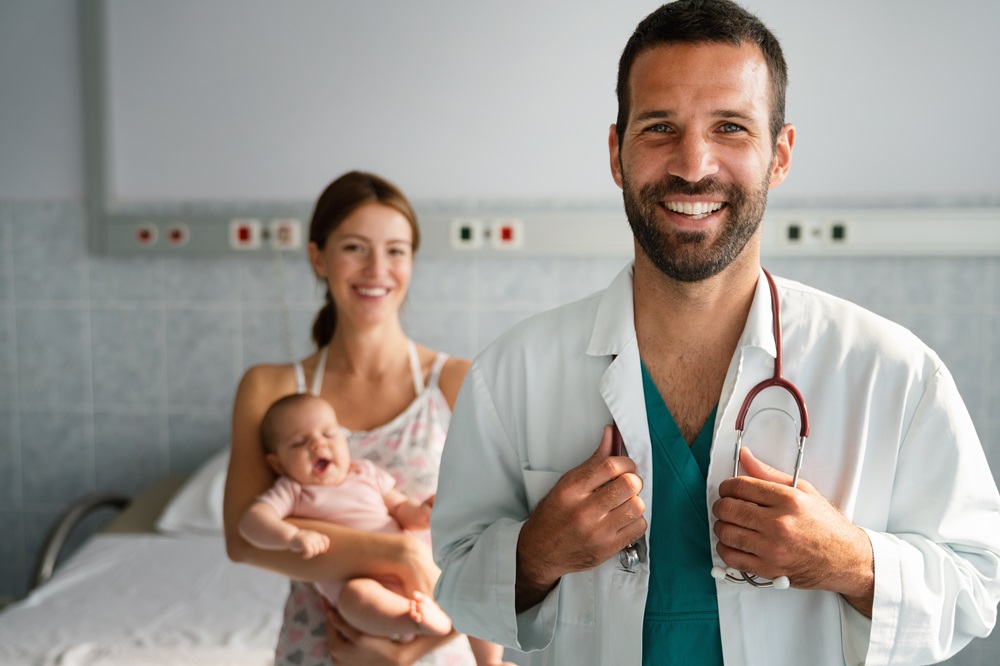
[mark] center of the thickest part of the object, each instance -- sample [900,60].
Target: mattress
[147,599]
[131,596]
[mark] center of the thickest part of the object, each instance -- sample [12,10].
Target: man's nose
[693,158]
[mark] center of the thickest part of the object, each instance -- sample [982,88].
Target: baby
[317,479]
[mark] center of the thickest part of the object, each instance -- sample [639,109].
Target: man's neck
[687,333]
[681,315]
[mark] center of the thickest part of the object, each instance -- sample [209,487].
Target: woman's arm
[352,552]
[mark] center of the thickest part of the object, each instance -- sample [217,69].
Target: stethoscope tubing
[777,380]
[629,556]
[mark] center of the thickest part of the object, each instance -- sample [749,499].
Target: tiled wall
[115,372]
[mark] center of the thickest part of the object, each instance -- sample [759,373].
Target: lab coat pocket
[576,591]
[537,485]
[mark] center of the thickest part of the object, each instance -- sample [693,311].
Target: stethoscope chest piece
[628,557]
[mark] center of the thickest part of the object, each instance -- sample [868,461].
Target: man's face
[697,157]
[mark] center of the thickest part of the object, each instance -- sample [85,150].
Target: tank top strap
[300,377]
[418,376]
[317,382]
[436,368]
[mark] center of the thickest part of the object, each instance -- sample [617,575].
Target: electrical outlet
[145,234]
[466,233]
[285,233]
[507,234]
[244,234]
[178,234]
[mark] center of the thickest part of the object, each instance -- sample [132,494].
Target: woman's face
[367,261]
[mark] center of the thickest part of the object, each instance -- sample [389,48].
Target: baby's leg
[487,654]
[374,609]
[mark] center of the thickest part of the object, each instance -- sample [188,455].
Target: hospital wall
[115,372]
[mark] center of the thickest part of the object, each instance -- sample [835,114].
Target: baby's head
[302,440]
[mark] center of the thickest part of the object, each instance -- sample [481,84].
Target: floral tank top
[409,448]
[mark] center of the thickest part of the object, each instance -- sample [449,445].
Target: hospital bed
[154,587]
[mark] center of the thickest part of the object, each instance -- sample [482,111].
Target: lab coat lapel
[622,594]
[621,384]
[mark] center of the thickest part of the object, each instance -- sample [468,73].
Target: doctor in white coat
[890,540]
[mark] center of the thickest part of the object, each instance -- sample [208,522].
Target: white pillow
[196,509]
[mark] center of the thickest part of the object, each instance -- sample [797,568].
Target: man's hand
[769,529]
[591,513]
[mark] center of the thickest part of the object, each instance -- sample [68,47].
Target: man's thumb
[604,449]
[761,470]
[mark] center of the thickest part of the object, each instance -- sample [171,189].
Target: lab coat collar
[614,325]
[759,330]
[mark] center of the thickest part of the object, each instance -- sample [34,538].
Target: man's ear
[782,156]
[615,155]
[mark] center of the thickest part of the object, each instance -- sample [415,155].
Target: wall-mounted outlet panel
[507,234]
[245,234]
[285,233]
[467,233]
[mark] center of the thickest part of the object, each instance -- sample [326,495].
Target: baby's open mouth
[321,465]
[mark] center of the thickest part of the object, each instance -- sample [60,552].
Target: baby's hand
[422,514]
[309,544]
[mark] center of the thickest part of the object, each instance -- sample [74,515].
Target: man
[891,538]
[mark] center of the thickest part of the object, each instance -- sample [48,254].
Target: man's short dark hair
[704,21]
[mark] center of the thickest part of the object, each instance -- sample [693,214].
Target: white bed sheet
[147,599]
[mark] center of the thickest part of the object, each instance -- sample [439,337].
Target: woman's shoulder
[452,373]
[269,379]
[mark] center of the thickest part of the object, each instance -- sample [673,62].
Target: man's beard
[686,255]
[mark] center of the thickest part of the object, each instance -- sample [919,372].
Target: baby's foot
[428,615]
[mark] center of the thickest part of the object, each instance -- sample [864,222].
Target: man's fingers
[619,490]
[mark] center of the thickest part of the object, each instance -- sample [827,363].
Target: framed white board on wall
[203,105]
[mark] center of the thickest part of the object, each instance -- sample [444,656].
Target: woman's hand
[349,646]
[415,567]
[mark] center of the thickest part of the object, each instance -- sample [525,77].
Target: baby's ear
[275,464]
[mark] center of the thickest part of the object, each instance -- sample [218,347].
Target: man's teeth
[688,208]
[372,291]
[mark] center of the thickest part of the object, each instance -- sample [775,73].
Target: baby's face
[312,448]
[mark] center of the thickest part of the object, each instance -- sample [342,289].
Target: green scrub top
[681,623]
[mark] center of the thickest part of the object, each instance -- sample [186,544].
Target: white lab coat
[891,444]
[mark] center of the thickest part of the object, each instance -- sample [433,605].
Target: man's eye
[731,128]
[659,128]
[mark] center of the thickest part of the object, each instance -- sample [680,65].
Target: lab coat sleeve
[937,565]
[480,506]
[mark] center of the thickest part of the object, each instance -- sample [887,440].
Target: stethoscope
[631,555]
[776,380]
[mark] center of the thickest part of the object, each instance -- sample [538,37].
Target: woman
[393,397]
